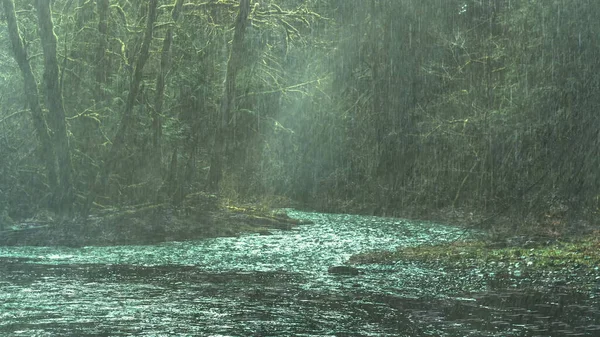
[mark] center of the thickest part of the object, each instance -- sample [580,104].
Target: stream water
[276,285]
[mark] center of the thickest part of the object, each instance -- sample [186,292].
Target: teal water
[275,285]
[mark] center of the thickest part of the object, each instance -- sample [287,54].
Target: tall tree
[101,60]
[32,95]
[55,106]
[165,64]
[234,63]
[127,119]
[170,183]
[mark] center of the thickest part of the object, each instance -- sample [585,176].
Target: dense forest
[388,107]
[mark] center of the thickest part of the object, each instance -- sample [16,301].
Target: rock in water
[343,270]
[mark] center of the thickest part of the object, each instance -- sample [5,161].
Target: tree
[64,200]
[103,7]
[234,63]
[165,63]
[127,118]
[46,144]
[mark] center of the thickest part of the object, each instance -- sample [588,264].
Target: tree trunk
[127,119]
[55,107]
[31,92]
[165,63]
[234,63]
[101,64]
[134,87]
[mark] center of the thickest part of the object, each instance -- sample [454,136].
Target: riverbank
[572,262]
[146,224]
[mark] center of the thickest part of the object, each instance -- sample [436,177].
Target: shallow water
[275,285]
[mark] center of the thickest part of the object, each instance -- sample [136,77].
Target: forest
[475,111]
[300,168]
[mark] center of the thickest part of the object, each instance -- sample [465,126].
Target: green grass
[581,252]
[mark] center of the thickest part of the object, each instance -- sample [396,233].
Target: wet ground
[278,285]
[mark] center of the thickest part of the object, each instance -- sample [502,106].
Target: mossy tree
[374,106]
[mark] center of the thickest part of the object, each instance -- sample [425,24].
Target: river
[275,285]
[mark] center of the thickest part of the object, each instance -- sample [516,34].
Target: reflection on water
[123,300]
[274,285]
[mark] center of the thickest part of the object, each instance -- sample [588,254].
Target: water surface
[270,285]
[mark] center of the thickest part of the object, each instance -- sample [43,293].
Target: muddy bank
[147,224]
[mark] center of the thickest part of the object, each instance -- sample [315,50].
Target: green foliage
[582,252]
[381,107]
[458,104]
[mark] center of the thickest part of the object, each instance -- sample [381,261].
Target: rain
[299,168]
